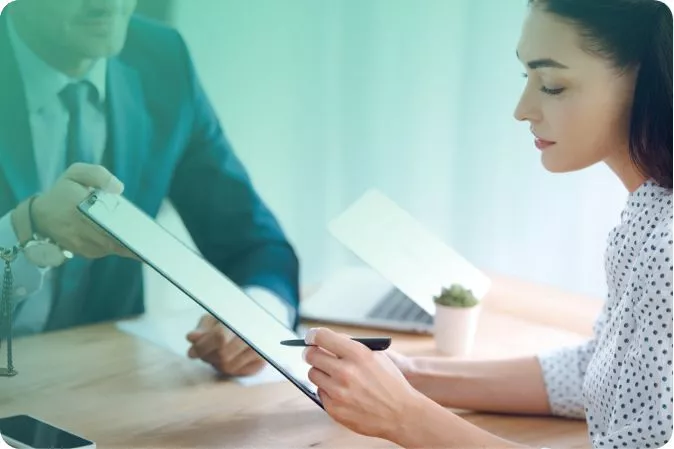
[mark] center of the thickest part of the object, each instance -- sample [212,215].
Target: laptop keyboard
[398,307]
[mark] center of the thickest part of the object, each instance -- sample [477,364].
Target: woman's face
[577,104]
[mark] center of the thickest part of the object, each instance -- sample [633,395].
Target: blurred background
[323,100]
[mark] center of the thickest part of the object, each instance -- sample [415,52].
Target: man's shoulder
[150,40]
[145,29]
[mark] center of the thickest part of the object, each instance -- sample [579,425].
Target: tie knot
[74,95]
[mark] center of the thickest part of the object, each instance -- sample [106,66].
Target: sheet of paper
[207,286]
[168,330]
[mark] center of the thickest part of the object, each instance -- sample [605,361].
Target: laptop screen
[395,244]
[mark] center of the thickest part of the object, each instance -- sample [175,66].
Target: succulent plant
[456,296]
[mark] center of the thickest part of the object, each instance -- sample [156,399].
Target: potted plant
[456,315]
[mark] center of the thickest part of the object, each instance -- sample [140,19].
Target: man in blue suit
[91,96]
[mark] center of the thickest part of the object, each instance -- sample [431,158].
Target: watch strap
[31,217]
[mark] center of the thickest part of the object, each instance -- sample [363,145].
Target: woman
[599,89]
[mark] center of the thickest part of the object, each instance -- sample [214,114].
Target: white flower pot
[454,329]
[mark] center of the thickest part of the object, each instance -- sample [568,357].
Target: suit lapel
[128,125]
[17,159]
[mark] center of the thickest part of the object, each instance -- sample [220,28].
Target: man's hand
[215,344]
[56,216]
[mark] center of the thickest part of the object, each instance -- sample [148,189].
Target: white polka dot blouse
[620,381]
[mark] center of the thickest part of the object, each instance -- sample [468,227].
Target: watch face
[44,254]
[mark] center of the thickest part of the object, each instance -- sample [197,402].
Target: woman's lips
[542,144]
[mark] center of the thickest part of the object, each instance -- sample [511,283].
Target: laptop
[404,267]
[202,282]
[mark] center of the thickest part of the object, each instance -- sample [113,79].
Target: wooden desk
[123,392]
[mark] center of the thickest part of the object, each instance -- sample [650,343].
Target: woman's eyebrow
[543,63]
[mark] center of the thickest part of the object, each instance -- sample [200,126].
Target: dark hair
[633,34]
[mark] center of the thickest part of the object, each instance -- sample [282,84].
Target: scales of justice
[6,312]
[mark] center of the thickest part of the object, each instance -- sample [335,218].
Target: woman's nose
[527,109]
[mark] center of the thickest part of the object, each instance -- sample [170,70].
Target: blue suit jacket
[164,141]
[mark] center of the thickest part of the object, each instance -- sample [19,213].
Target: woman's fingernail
[304,354]
[310,336]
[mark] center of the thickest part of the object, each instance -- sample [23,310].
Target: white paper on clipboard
[202,282]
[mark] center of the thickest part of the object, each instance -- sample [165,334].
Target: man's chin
[98,50]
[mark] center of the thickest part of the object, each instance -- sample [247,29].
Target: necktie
[70,277]
[74,97]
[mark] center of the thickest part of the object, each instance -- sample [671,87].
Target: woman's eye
[547,91]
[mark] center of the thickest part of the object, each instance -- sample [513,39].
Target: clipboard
[202,282]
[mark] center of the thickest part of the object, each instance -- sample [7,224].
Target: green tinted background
[324,99]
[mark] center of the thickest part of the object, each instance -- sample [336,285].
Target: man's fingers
[92,242]
[88,239]
[85,247]
[233,349]
[209,342]
[121,251]
[214,359]
[95,176]
[96,233]
[207,353]
[207,322]
[194,336]
[221,348]
[252,368]
[243,363]
[204,326]
[245,358]
[216,340]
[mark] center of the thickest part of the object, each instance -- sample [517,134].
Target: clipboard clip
[108,200]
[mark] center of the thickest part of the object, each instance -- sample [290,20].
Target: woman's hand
[402,362]
[366,392]
[359,388]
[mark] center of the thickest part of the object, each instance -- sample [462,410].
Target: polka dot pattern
[621,380]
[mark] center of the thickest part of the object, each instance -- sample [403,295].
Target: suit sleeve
[226,218]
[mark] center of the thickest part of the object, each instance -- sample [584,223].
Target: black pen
[374,343]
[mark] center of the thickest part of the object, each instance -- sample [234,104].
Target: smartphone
[26,432]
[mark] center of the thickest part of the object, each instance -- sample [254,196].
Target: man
[89,91]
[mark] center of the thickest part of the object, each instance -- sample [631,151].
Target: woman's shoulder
[649,235]
[658,238]
[654,261]
[649,215]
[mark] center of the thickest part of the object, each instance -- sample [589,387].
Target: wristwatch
[42,251]
[45,253]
